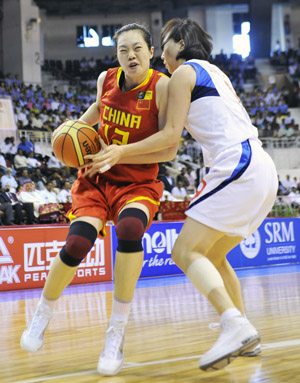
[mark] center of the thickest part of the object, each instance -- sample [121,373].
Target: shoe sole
[106,373]
[223,361]
[255,352]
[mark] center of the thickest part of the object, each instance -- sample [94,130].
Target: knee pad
[80,240]
[130,229]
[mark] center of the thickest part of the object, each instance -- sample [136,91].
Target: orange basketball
[73,140]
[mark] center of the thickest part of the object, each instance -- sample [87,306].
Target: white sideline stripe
[285,343]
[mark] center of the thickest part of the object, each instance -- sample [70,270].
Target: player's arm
[92,115]
[179,95]
[164,154]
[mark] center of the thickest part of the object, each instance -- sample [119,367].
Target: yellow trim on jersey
[150,72]
[143,198]
[71,216]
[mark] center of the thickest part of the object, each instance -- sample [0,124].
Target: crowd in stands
[34,188]
[44,183]
[288,59]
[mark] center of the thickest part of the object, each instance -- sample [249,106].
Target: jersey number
[124,136]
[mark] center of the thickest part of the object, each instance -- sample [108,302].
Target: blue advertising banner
[277,241]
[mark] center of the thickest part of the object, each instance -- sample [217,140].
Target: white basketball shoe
[237,337]
[112,358]
[33,337]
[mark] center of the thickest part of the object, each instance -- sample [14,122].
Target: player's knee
[80,240]
[130,229]
[179,254]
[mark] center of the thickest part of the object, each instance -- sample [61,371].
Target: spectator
[9,197]
[32,163]
[54,164]
[25,145]
[48,193]
[24,177]
[183,178]
[64,195]
[27,193]
[20,161]
[165,177]
[179,191]
[3,165]
[288,183]
[9,179]
[9,216]
[39,179]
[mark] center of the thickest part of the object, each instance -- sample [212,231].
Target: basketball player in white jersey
[233,198]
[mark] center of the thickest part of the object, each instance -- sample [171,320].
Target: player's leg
[81,237]
[190,251]
[132,221]
[217,255]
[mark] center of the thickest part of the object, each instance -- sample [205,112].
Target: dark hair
[197,42]
[132,27]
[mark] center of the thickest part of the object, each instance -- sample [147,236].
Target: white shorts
[238,192]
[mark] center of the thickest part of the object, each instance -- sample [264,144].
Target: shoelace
[39,320]
[114,340]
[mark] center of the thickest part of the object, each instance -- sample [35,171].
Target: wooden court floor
[167,333]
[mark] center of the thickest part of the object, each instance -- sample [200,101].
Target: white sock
[48,302]
[230,313]
[120,311]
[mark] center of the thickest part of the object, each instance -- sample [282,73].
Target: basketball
[72,141]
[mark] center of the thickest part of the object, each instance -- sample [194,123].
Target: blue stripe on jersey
[238,171]
[204,86]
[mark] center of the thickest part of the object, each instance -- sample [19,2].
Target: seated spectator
[27,193]
[8,218]
[53,164]
[9,197]
[288,183]
[20,161]
[22,119]
[64,196]
[166,179]
[191,176]
[25,145]
[32,163]
[183,178]
[37,122]
[3,165]
[294,197]
[9,179]
[39,179]
[48,193]
[24,178]
[179,191]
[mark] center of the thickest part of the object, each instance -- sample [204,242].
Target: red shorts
[97,197]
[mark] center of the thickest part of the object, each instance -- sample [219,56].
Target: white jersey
[216,118]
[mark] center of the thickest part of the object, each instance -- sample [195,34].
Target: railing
[283,142]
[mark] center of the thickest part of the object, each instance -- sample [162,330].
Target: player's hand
[104,160]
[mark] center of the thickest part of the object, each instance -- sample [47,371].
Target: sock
[230,313]
[120,311]
[48,302]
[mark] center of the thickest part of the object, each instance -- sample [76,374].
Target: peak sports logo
[8,273]
[39,256]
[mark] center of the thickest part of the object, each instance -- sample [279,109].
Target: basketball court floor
[167,333]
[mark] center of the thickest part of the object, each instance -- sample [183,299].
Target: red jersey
[126,118]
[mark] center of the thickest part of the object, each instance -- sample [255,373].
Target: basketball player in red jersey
[131,105]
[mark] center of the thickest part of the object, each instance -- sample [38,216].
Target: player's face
[169,54]
[133,54]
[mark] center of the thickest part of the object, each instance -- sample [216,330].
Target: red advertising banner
[26,254]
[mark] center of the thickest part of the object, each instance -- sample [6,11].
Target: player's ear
[181,45]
